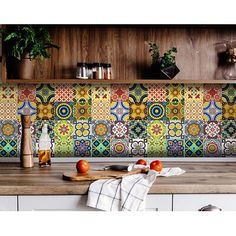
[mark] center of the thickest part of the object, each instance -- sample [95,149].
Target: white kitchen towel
[125,194]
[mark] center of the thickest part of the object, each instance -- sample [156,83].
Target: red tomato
[156,165]
[82,166]
[141,162]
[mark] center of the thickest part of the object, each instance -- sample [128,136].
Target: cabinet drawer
[8,203]
[194,202]
[159,202]
[54,203]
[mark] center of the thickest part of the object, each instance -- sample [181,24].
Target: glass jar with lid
[97,70]
[82,70]
[107,71]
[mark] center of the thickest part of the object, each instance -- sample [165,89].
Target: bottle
[82,71]
[107,71]
[26,157]
[44,152]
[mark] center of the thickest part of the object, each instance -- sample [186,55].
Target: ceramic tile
[156,110]
[175,92]
[9,93]
[83,129]
[157,93]
[137,129]
[8,110]
[82,148]
[229,111]
[64,93]
[229,129]
[229,93]
[64,129]
[120,147]
[27,93]
[82,110]
[119,92]
[174,110]
[156,129]
[100,147]
[212,111]
[175,147]
[193,110]
[9,129]
[212,130]
[119,111]
[45,93]
[193,92]
[64,148]
[193,147]
[82,93]
[101,129]
[138,93]
[175,129]
[100,110]
[194,129]
[119,130]
[229,147]
[8,147]
[64,110]
[212,92]
[212,148]
[157,148]
[101,92]
[137,147]
[45,111]
[27,108]
[138,111]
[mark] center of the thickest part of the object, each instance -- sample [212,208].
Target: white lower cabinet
[155,202]
[8,203]
[194,202]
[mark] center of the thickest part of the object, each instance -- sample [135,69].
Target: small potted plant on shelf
[24,44]
[163,67]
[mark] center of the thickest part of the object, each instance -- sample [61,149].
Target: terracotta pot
[25,68]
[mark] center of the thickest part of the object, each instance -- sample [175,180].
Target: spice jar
[82,71]
[98,71]
[90,71]
[107,71]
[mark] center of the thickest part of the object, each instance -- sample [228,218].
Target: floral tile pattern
[137,129]
[157,93]
[138,93]
[117,120]
[120,111]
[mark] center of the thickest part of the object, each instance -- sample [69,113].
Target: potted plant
[163,67]
[23,45]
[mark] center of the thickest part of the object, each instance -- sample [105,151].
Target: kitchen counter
[199,178]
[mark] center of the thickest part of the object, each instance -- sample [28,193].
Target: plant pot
[166,73]
[25,69]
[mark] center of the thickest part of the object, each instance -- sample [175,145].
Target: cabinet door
[194,202]
[8,203]
[159,202]
[54,203]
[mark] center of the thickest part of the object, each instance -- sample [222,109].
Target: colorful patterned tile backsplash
[159,120]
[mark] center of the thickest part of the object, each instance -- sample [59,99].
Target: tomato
[156,165]
[82,166]
[141,162]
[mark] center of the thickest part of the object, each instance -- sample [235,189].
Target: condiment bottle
[82,71]
[26,156]
[107,71]
[44,152]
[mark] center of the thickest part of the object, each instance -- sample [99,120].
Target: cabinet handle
[210,208]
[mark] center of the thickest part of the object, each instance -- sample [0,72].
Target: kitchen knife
[114,167]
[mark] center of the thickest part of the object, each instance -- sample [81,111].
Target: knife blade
[114,167]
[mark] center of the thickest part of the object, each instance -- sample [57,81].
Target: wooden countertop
[199,178]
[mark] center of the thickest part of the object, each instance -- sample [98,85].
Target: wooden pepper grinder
[26,156]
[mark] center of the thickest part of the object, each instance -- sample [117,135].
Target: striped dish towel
[125,194]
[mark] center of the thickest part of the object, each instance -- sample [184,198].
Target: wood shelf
[140,81]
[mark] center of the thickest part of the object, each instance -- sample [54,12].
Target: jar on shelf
[90,71]
[82,70]
[107,71]
[97,71]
